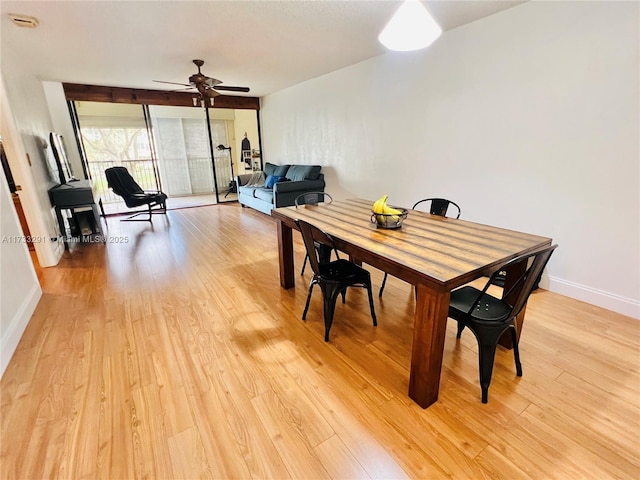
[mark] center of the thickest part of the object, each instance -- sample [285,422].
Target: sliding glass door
[184,153]
[116,135]
[164,148]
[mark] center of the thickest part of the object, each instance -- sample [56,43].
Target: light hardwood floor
[172,352]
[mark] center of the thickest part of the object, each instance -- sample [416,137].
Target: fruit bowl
[389,220]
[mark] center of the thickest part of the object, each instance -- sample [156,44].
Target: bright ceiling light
[410,28]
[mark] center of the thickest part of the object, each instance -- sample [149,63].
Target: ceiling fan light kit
[201,101]
[411,28]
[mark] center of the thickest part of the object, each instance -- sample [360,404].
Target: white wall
[24,145]
[19,288]
[61,122]
[528,119]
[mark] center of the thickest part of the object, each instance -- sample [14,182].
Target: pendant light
[411,28]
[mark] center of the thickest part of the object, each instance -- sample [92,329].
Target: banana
[382,210]
[391,211]
[378,205]
[378,208]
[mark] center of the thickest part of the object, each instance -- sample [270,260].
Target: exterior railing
[141,170]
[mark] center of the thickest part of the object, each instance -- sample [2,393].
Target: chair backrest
[310,235]
[121,182]
[312,198]
[439,206]
[536,261]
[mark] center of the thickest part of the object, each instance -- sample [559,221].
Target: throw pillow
[272,180]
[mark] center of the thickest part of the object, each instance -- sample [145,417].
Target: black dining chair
[437,206]
[122,183]
[314,198]
[489,317]
[334,277]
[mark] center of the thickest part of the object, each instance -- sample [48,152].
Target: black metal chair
[489,317]
[122,183]
[333,277]
[438,206]
[313,198]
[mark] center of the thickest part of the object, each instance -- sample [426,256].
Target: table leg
[285,255]
[430,325]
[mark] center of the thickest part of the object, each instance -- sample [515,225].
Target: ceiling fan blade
[172,83]
[205,85]
[231,89]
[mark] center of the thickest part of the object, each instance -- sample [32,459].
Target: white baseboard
[16,328]
[49,253]
[610,301]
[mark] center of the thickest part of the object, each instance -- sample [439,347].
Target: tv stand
[74,195]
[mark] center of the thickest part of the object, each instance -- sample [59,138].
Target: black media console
[77,194]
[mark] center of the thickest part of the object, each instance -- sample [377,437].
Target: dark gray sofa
[297,179]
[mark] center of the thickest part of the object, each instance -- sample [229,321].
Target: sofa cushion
[278,170]
[269,168]
[297,173]
[265,194]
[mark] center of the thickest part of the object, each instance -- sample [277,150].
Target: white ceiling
[264,45]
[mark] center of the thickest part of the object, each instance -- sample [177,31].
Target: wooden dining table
[436,254]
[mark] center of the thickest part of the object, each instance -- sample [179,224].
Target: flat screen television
[59,165]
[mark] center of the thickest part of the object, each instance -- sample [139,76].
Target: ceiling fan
[206,86]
